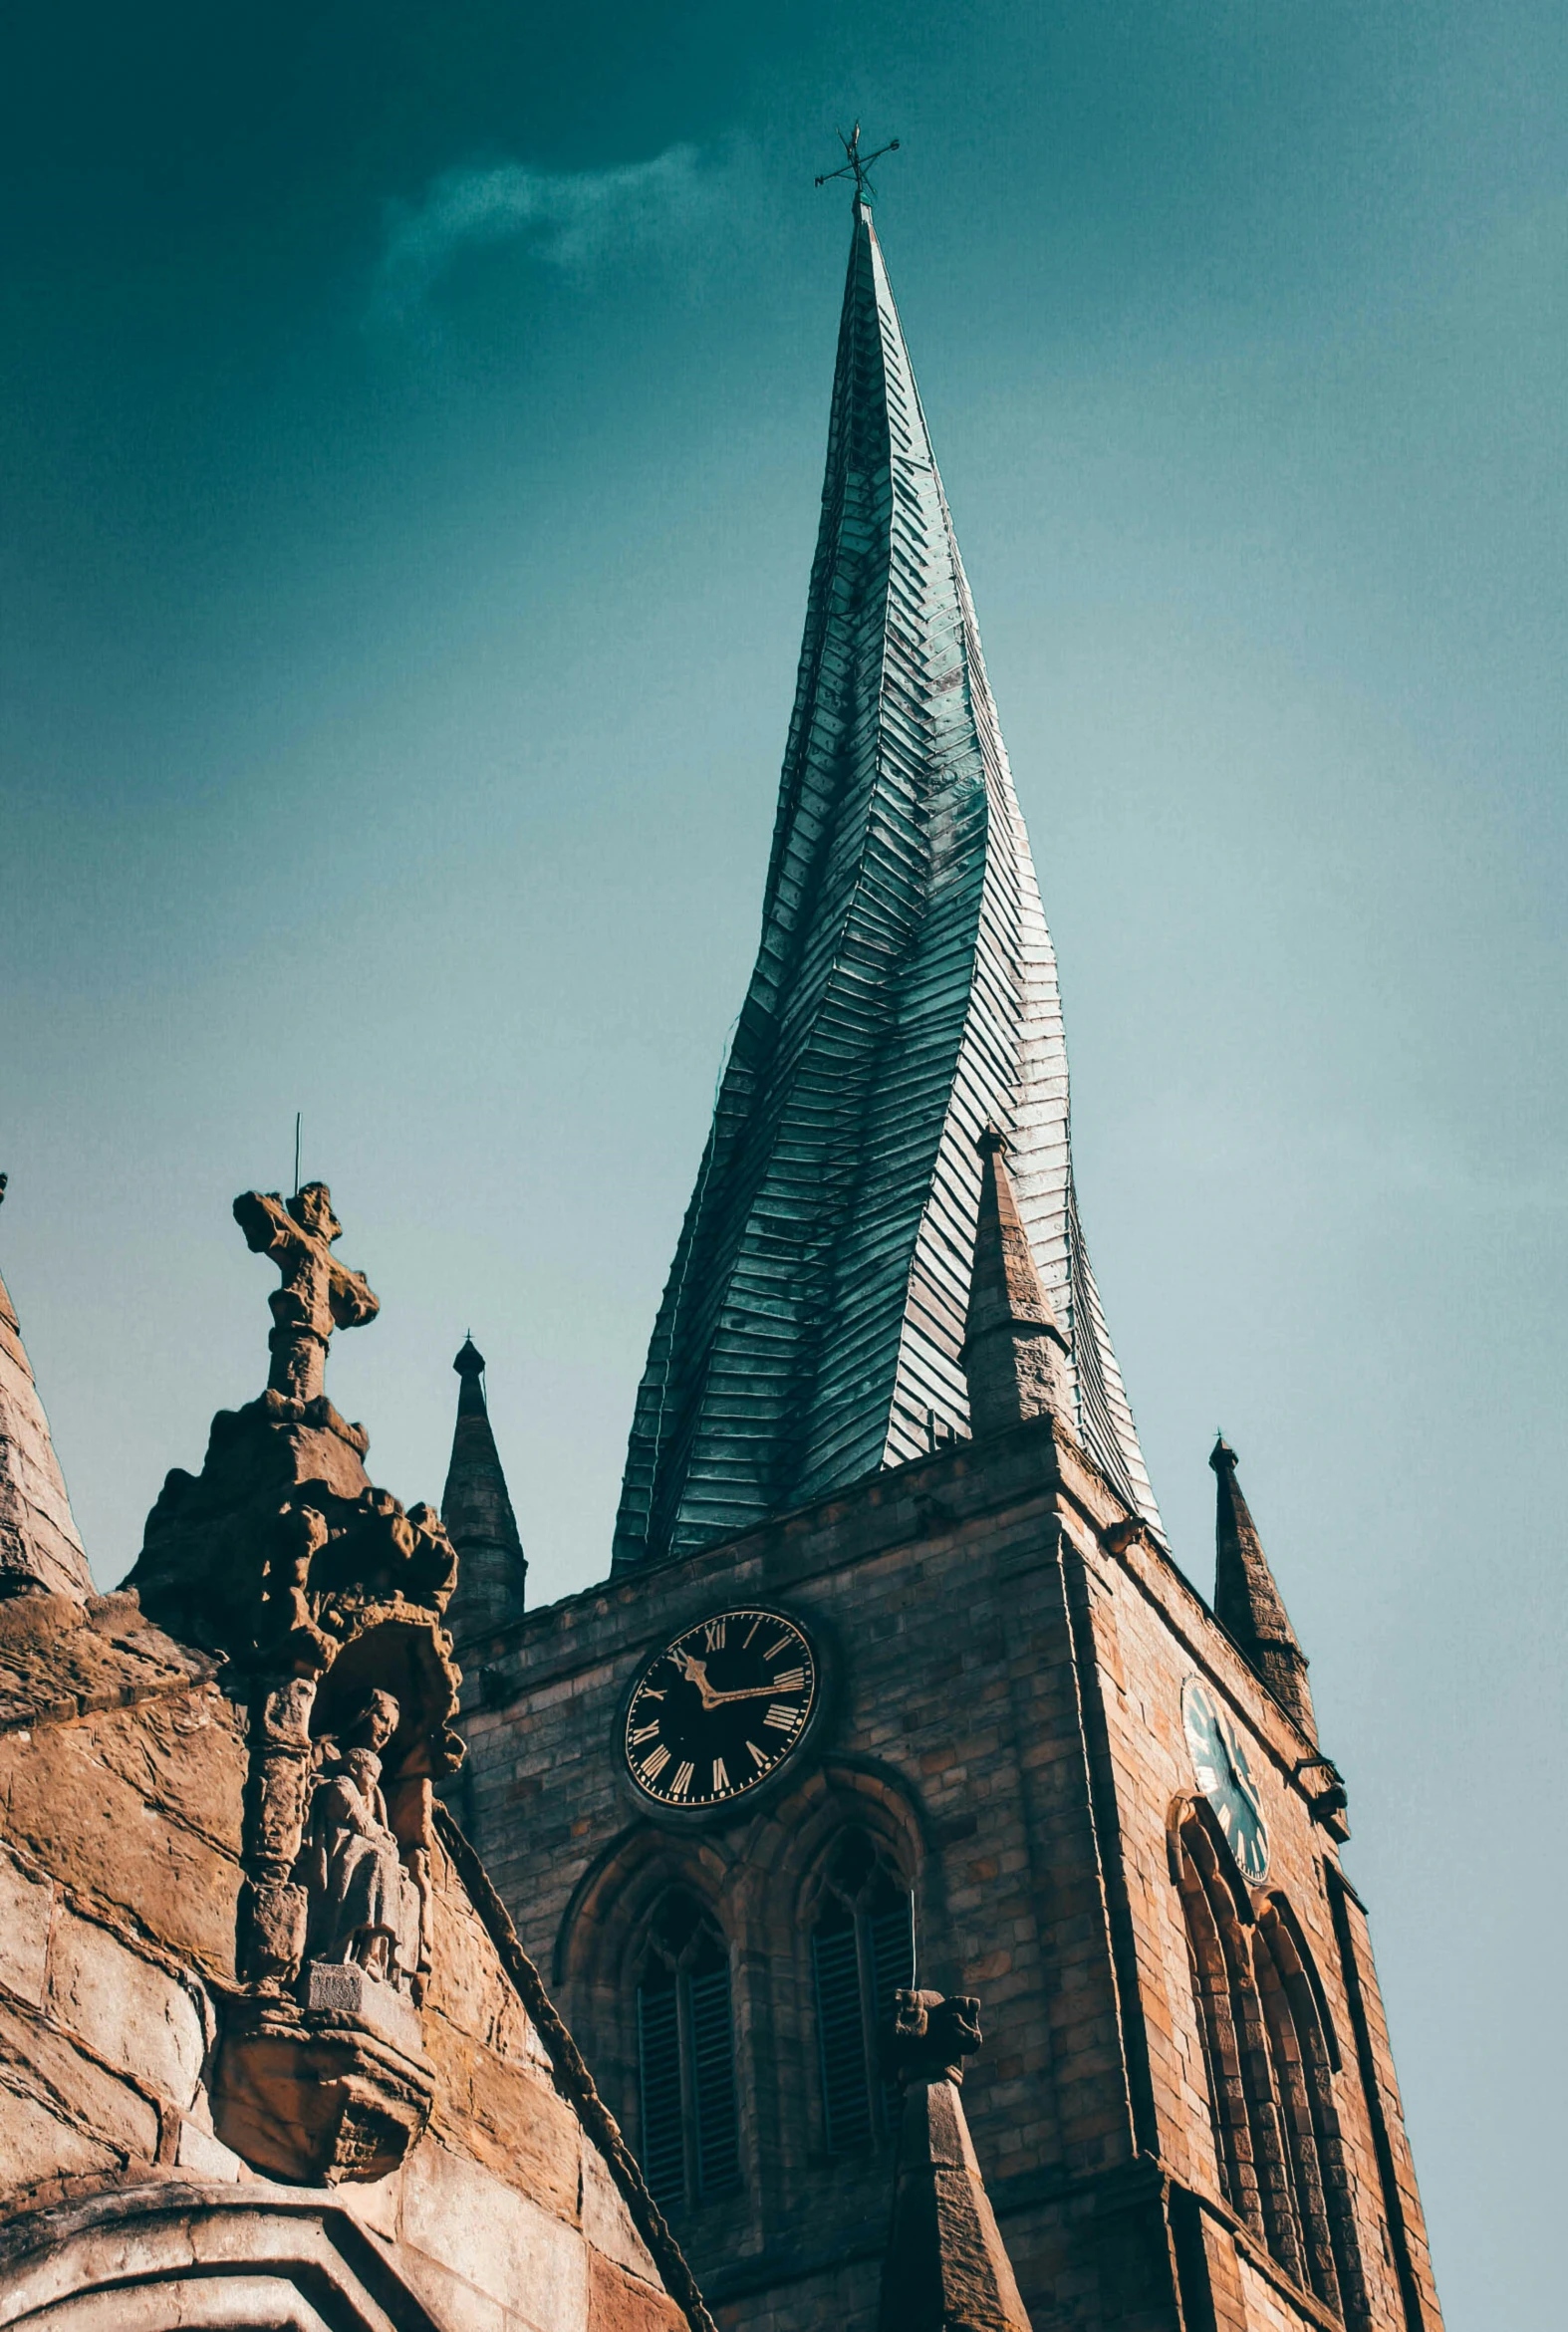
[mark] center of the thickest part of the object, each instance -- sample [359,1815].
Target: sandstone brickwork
[270,2053]
[1007,1648]
[122,1771]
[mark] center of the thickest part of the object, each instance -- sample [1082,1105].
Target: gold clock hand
[695,1672]
[745,1693]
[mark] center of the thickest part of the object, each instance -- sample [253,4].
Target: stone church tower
[896,1682]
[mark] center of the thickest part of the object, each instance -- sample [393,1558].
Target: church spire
[1015,1356]
[904,995]
[477,1512]
[1248,1603]
[40,1551]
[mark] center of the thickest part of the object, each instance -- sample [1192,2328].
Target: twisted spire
[904,995]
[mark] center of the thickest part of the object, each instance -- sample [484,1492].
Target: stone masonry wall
[122,1769]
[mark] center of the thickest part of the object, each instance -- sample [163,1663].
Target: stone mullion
[1233,2096]
[1338,2190]
[1268,2137]
[1217,2041]
[1301,2139]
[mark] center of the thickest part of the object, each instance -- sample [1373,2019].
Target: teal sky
[412,441]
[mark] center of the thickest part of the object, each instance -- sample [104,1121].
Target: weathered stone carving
[931,2036]
[329,1600]
[361,1905]
[317,1294]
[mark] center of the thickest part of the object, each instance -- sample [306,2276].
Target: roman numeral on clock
[713,1634]
[720,1777]
[655,1765]
[782,1717]
[646,1732]
[790,1679]
[683,1781]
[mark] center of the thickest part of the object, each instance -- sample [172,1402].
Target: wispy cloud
[567,219]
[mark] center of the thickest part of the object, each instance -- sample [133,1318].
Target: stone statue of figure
[363,1907]
[317,1295]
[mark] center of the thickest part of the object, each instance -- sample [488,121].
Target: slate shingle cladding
[905,993]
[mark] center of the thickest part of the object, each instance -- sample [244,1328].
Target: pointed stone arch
[689,2121]
[1307,2057]
[1253,2157]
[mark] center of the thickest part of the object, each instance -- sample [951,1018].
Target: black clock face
[1220,1763]
[720,1708]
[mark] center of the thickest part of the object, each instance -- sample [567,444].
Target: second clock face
[719,1708]
[1219,1764]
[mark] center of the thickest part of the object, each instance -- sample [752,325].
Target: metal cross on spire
[857,166]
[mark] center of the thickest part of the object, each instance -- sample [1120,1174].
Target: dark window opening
[863,1952]
[691,2125]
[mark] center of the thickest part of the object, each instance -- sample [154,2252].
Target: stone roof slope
[61,1659]
[39,1544]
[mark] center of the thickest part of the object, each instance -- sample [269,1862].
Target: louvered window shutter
[714,2084]
[659,2046]
[841,2037]
[891,1936]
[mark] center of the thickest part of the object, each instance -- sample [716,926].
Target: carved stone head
[312,1210]
[931,2036]
[375,1724]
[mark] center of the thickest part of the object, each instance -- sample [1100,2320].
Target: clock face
[720,1708]
[1220,1763]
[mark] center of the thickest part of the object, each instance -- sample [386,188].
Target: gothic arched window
[686,2058]
[1268,2059]
[862,1952]
[1301,2042]
[1254,2167]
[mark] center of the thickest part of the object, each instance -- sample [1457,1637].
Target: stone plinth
[320,2096]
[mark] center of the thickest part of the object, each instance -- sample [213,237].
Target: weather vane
[857,166]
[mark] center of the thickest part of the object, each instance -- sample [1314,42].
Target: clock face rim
[1195,1689]
[710,1808]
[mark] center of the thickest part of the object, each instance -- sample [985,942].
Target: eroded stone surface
[26,1900]
[130,2012]
[623,2302]
[607,2223]
[102,1805]
[506,2245]
[41,2062]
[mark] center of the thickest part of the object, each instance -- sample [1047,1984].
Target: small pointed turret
[1015,1355]
[947,2268]
[477,1512]
[1247,1601]
[40,1550]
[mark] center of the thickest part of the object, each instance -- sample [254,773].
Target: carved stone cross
[317,1295]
